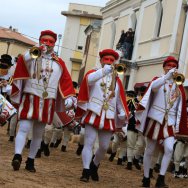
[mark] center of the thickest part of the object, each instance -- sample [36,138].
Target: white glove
[107,69]
[68,103]
[170,73]
[121,115]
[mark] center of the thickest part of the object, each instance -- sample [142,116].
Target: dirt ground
[63,169]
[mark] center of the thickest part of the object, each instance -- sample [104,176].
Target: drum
[61,119]
[7,110]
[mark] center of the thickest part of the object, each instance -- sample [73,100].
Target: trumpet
[120,68]
[178,78]
[35,52]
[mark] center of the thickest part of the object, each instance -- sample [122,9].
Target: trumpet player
[160,116]
[39,79]
[99,106]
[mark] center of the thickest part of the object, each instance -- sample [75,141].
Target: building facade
[78,17]
[160,31]
[13,43]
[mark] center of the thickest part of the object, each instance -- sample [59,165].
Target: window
[159,16]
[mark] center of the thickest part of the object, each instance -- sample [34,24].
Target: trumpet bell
[120,68]
[35,52]
[179,78]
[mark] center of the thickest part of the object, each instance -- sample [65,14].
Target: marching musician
[160,116]
[5,76]
[103,111]
[40,79]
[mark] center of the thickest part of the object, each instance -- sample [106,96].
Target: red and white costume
[28,92]
[161,115]
[90,103]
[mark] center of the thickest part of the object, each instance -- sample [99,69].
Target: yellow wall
[78,55]
[84,21]
[144,73]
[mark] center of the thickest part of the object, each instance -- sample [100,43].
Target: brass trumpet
[120,68]
[178,78]
[35,52]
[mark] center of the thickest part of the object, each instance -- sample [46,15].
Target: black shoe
[11,139]
[16,161]
[28,144]
[136,164]
[63,148]
[85,175]
[94,171]
[30,165]
[129,166]
[124,158]
[151,173]
[120,161]
[52,145]
[58,141]
[146,182]
[46,150]
[111,158]
[161,182]
[79,149]
[184,173]
[38,155]
[157,168]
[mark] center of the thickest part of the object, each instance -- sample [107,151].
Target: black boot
[145,182]
[30,165]
[63,148]
[151,173]
[46,150]
[161,182]
[58,141]
[111,158]
[94,171]
[52,145]
[16,161]
[79,149]
[120,161]
[38,155]
[129,166]
[136,164]
[28,144]
[85,175]
[157,168]
[11,139]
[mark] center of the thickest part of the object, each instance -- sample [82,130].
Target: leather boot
[79,149]
[161,182]
[129,166]
[30,165]
[85,175]
[11,139]
[63,148]
[94,171]
[58,141]
[46,150]
[136,164]
[16,161]
[111,158]
[151,173]
[120,161]
[146,182]
[38,155]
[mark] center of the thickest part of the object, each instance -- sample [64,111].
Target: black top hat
[5,61]
[75,84]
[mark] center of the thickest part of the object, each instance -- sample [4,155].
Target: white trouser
[13,125]
[25,127]
[181,151]
[89,141]
[66,136]
[168,151]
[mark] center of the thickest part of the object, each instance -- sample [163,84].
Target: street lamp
[59,39]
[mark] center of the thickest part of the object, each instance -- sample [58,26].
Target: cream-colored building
[13,43]
[159,28]
[79,16]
